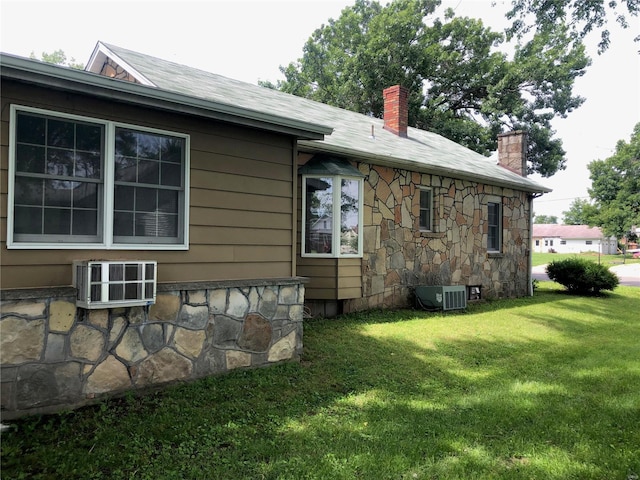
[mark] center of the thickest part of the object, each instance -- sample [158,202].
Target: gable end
[106,63]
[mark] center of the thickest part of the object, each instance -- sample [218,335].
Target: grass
[535,388]
[608,260]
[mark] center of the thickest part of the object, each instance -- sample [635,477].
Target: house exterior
[215,212]
[572,239]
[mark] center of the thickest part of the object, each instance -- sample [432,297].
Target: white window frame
[108,184]
[335,227]
[428,228]
[495,201]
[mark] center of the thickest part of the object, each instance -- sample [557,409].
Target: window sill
[430,234]
[319,255]
[495,254]
[94,246]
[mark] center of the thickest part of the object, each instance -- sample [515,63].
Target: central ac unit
[440,297]
[111,284]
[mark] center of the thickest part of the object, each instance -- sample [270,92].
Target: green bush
[581,276]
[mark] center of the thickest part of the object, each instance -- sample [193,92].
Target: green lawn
[535,388]
[609,260]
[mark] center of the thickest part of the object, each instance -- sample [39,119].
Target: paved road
[628,274]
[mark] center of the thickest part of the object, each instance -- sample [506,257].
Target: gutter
[388,161]
[78,81]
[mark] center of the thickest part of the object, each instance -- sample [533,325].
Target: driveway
[629,274]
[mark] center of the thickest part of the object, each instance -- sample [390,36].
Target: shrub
[581,276]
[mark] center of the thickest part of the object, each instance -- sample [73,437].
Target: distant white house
[571,239]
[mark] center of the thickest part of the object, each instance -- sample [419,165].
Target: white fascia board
[101,52]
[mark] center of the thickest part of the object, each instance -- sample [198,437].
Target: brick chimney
[512,151]
[396,110]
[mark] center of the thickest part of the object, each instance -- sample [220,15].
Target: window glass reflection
[319,215]
[349,199]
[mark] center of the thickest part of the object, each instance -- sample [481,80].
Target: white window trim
[430,227]
[335,232]
[109,172]
[497,201]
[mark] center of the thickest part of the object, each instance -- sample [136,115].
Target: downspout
[531,197]
[294,213]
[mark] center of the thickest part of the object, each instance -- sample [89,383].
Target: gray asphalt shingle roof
[422,151]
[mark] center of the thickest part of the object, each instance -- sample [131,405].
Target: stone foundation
[56,356]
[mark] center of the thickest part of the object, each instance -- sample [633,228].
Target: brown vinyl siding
[241,199]
[331,278]
[323,279]
[349,278]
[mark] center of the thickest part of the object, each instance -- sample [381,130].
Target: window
[76,182]
[563,242]
[325,197]
[537,243]
[588,242]
[495,226]
[426,209]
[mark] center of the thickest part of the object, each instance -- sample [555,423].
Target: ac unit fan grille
[441,297]
[103,284]
[454,299]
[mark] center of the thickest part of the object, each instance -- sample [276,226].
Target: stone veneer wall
[398,256]
[55,356]
[113,70]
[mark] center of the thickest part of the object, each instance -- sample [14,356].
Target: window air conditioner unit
[441,297]
[112,284]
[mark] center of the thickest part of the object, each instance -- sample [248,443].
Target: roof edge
[525,185]
[80,81]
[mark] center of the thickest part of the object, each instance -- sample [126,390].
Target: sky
[249,40]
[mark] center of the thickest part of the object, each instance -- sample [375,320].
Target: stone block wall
[113,70]
[398,255]
[56,356]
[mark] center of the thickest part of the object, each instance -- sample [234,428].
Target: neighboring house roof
[354,135]
[548,230]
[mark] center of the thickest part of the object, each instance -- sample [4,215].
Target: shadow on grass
[543,395]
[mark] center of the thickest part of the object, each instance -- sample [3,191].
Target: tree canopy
[615,188]
[462,85]
[545,219]
[584,16]
[579,212]
[58,57]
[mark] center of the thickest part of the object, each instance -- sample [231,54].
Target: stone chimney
[396,110]
[512,151]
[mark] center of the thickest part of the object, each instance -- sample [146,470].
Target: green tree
[584,16]
[545,219]
[615,188]
[58,57]
[461,85]
[579,213]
